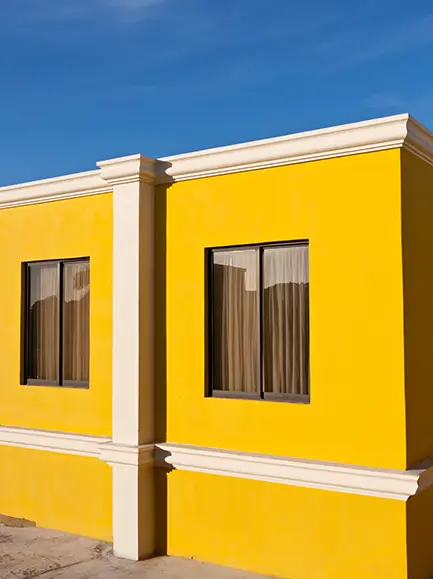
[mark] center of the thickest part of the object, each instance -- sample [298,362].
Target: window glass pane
[286,320]
[76,320]
[235,321]
[43,322]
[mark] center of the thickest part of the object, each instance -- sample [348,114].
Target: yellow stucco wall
[57,491]
[368,369]
[58,230]
[417,241]
[285,531]
[349,209]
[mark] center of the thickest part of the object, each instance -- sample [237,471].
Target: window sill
[267,397]
[55,384]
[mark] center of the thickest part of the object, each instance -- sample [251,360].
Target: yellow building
[225,355]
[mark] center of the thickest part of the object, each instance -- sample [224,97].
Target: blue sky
[87,80]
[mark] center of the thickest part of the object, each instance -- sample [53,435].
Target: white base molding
[127,460]
[376,482]
[52,441]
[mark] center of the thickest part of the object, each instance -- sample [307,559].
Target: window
[258,322]
[56,323]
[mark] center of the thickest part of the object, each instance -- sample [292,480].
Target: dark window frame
[25,310]
[210,392]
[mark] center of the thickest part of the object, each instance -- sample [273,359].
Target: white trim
[126,330]
[399,131]
[133,310]
[55,189]
[419,140]
[115,454]
[79,444]
[128,169]
[351,139]
[131,450]
[133,512]
[377,482]
[52,441]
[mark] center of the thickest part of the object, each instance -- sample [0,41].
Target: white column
[130,452]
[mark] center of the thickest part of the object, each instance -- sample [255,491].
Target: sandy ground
[26,553]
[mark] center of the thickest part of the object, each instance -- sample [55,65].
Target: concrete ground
[27,553]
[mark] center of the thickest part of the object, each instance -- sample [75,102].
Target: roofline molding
[54,189]
[398,131]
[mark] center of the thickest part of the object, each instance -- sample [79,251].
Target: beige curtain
[76,321]
[235,353]
[43,323]
[286,320]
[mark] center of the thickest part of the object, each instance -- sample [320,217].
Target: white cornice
[385,483]
[351,139]
[75,185]
[419,140]
[128,170]
[65,443]
[400,131]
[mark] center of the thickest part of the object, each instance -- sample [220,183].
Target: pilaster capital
[132,169]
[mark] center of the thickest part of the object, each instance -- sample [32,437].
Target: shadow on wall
[417,245]
[6,521]
[160,313]
[161,474]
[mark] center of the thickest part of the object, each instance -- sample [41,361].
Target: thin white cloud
[134,4]
[354,48]
[414,35]
[133,10]
[82,10]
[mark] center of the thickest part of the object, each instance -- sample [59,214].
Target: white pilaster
[132,179]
